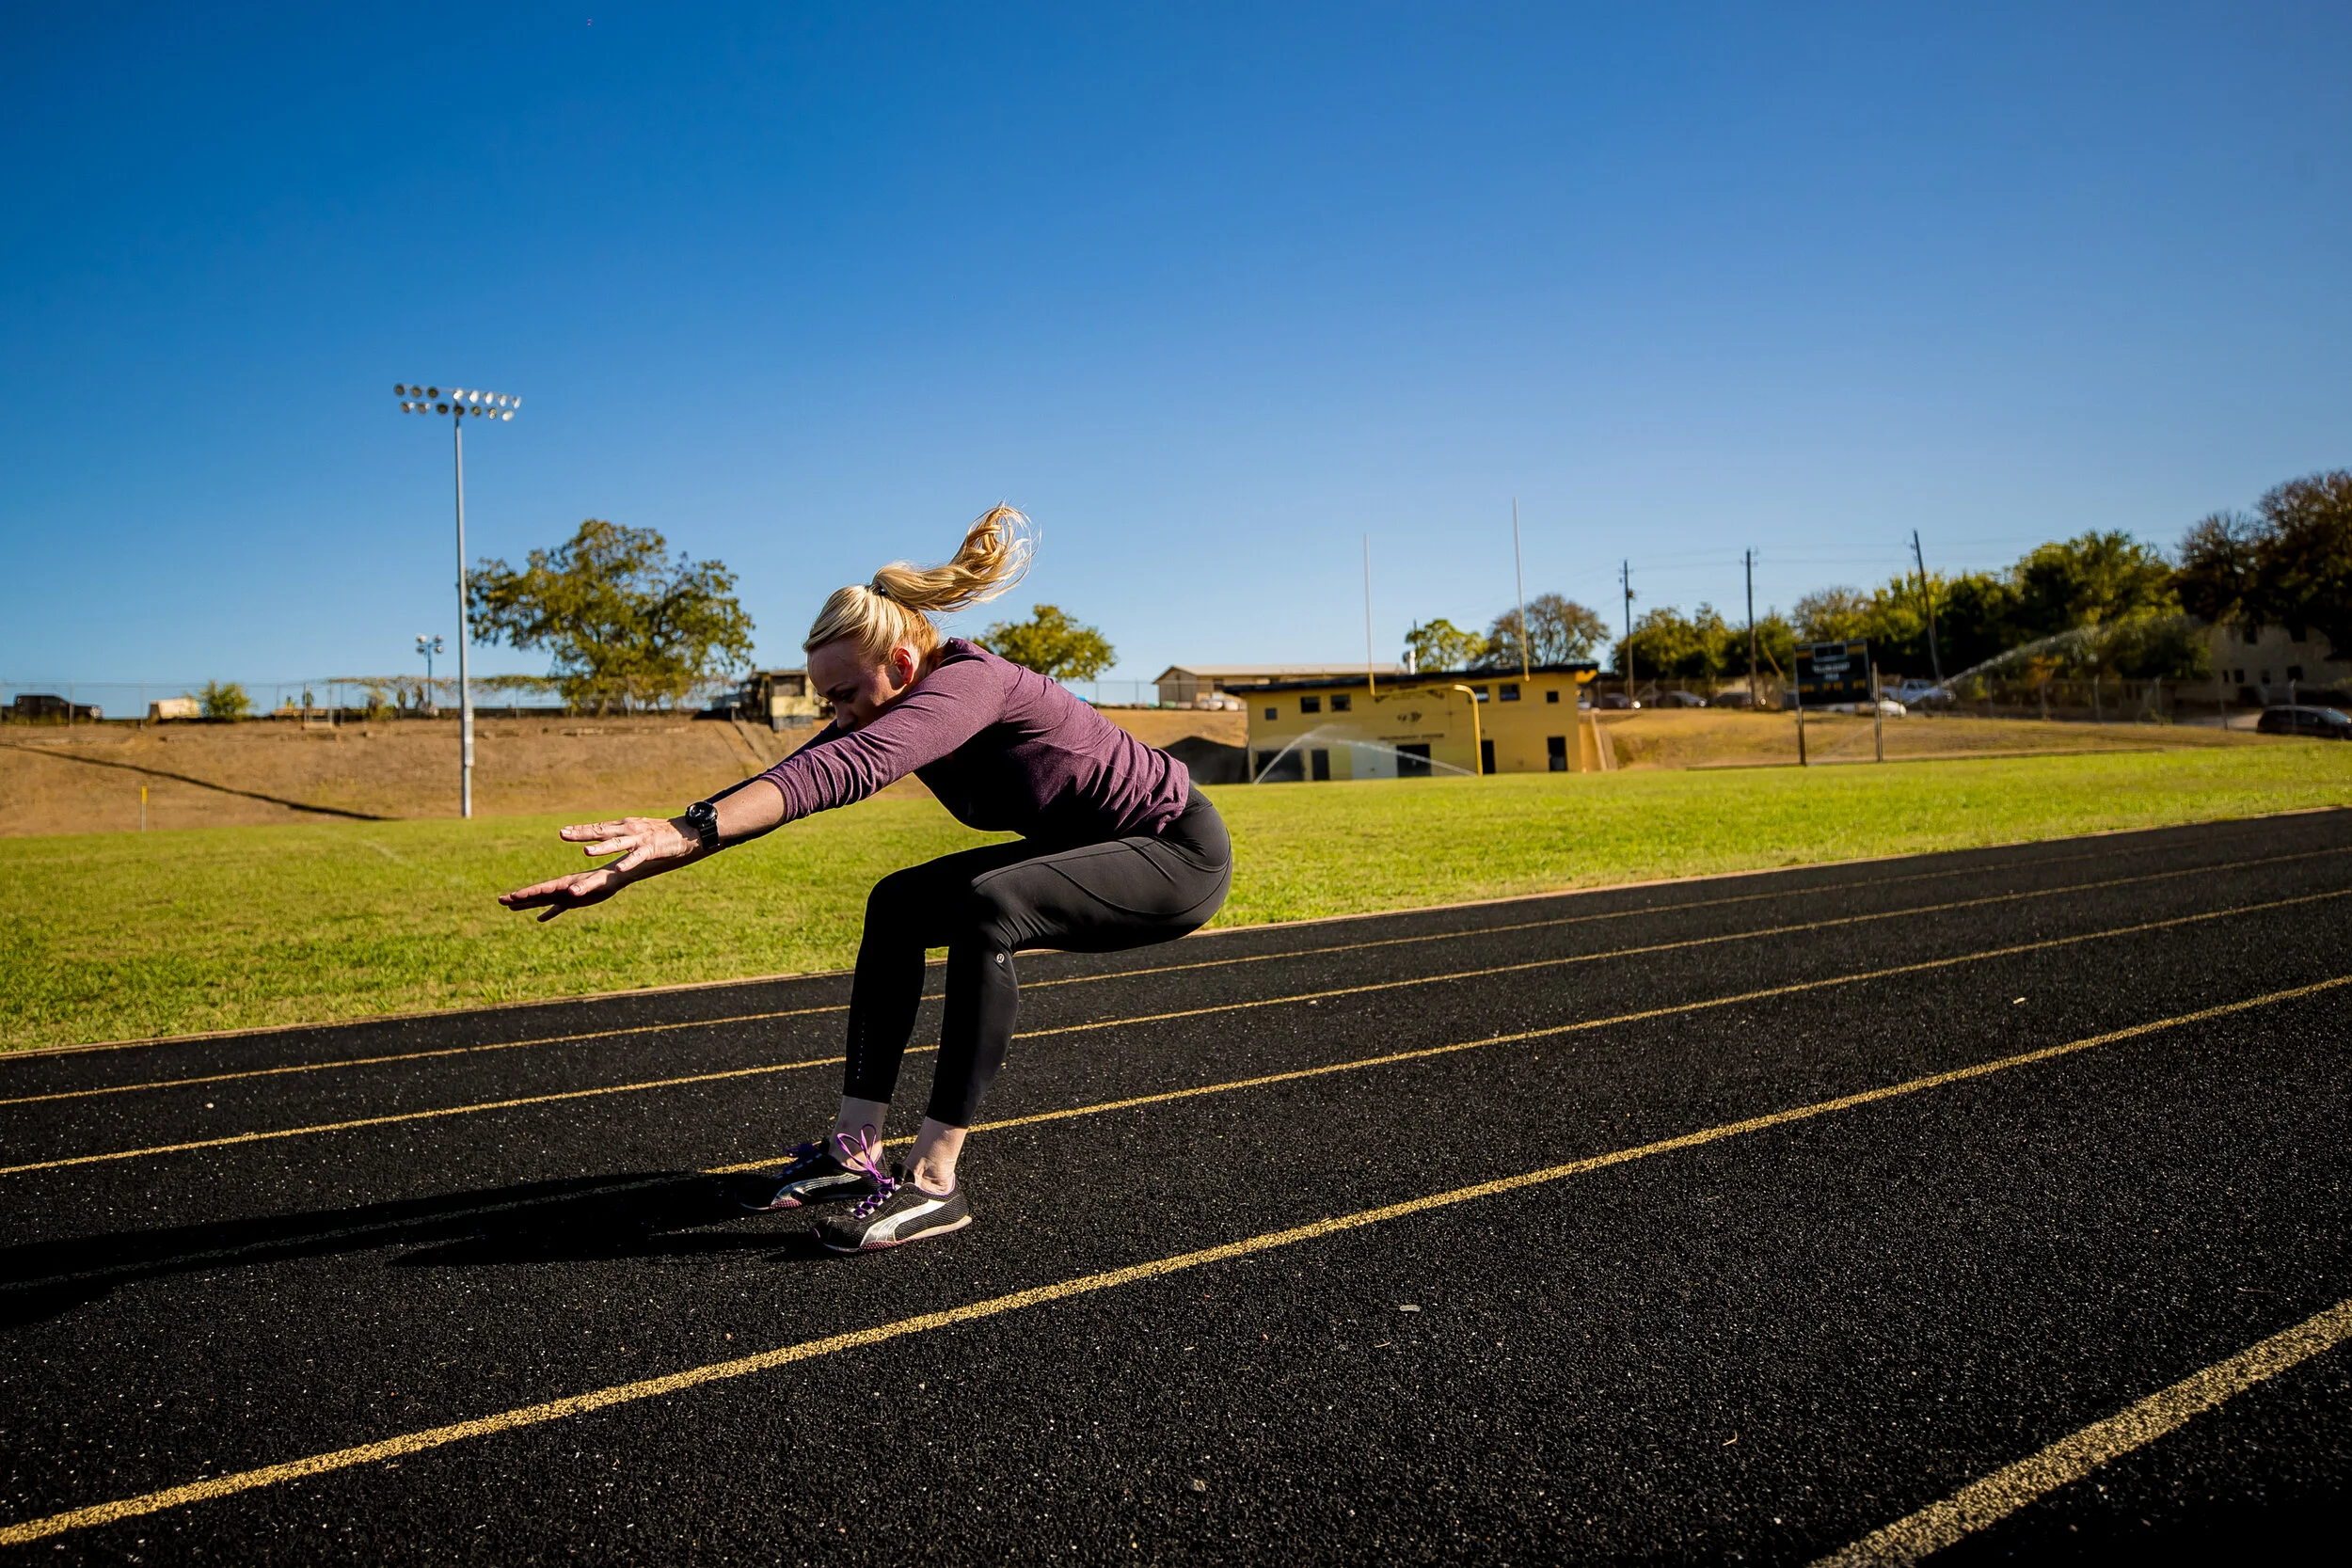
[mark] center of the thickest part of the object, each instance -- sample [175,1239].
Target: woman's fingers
[538,893]
[564,893]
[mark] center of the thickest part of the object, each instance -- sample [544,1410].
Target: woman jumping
[1117,849]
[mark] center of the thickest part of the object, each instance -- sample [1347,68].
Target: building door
[1485,757]
[1287,770]
[1412,762]
[1556,752]
[1319,765]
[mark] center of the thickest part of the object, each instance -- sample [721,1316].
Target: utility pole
[1625,580]
[1935,659]
[1519,572]
[1754,702]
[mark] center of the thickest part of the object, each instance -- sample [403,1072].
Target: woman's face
[859,690]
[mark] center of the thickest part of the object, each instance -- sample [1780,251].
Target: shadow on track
[591,1219]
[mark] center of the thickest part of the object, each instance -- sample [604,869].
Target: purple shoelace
[866,1157]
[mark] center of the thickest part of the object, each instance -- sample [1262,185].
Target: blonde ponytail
[897,607]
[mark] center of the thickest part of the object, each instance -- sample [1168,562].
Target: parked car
[1681,699]
[1617,699]
[1914,692]
[2323,723]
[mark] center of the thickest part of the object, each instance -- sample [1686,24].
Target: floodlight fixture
[460,402]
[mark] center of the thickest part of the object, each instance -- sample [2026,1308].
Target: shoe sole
[909,1241]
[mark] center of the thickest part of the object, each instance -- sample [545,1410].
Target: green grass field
[122,934]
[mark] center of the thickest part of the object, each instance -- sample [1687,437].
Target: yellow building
[1412,726]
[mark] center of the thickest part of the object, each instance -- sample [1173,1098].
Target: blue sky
[1212,291]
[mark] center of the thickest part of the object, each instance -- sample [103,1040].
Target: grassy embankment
[112,936]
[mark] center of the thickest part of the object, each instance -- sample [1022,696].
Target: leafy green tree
[1439,644]
[1670,645]
[224,700]
[1836,615]
[2303,557]
[1051,643]
[1559,631]
[2089,580]
[1976,619]
[2218,560]
[626,621]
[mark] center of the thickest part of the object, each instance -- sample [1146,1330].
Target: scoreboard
[1831,672]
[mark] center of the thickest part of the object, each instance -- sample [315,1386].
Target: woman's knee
[899,900]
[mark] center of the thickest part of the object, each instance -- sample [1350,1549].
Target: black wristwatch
[704,818]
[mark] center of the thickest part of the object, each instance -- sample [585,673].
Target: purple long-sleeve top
[1004,748]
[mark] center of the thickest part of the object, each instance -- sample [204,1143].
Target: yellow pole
[1478,739]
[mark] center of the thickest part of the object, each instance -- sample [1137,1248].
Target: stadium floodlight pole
[1478,735]
[1372,676]
[428,646]
[1519,572]
[459,405]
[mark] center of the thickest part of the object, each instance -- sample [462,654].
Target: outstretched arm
[648,846]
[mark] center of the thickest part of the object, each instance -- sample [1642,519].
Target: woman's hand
[575,891]
[647,846]
[638,840]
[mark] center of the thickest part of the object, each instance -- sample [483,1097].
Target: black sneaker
[896,1212]
[815,1174]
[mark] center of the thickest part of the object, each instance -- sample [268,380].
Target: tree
[1442,645]
[2303,557]
[1836,615]
[2217,565]
[224,700]
[1051,643]
[625,621]
[2089,580]
[1668,644]
[1560,632]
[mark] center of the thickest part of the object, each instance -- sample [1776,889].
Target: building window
[1510,692]
[1552,695]
[1479,692]
[1311,705]
[2294,671]
[2295,634]
[1272,714]
[1342,702]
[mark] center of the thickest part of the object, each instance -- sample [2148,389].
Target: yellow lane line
[1173,969]
[1657,947]
[2005,1490]
[416,1116]
[419,1056]
[1662,908]
[1235,1007]
[833,1344]
[1098,1108]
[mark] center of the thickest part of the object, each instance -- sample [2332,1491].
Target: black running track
[1759,1346]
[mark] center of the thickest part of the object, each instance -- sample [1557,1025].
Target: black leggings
[985,905]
